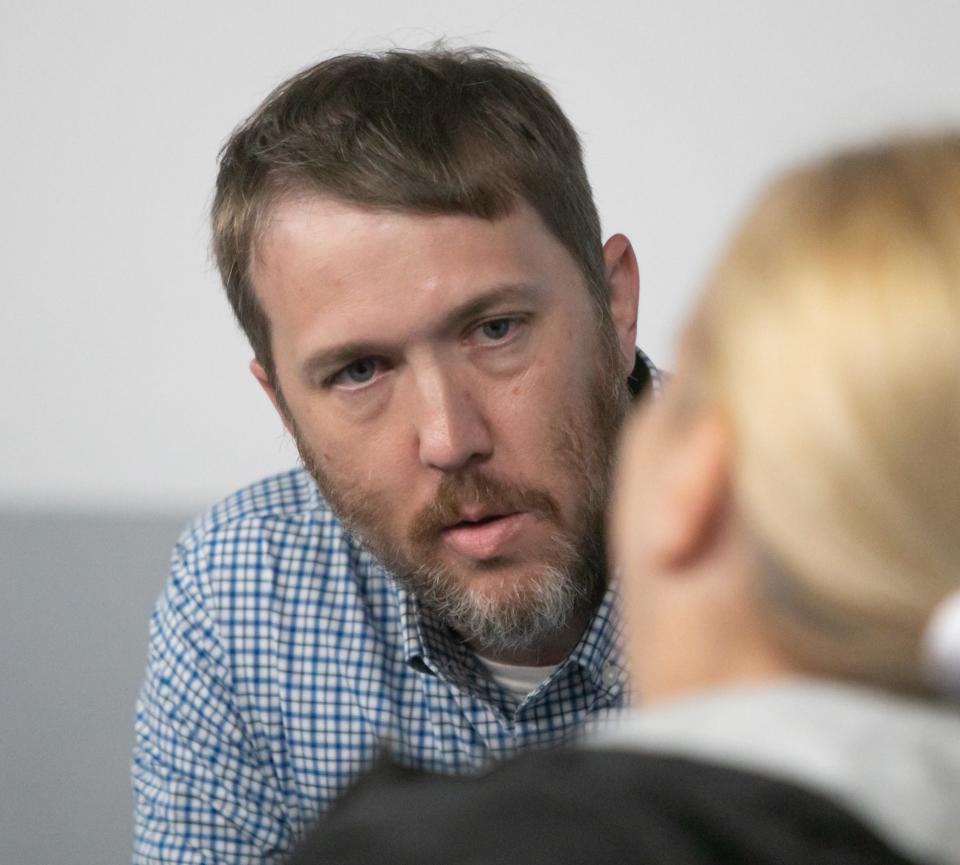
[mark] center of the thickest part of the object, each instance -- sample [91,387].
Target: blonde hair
[830,337]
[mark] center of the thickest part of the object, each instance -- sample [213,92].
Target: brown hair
[437,131]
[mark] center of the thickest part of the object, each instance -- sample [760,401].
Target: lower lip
[485,540]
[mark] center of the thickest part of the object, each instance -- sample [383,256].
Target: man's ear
[260,374]
[695,490]
[623,277]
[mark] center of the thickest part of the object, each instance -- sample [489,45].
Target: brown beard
[530,614]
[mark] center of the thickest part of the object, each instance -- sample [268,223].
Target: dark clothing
[784,771]
[587,806]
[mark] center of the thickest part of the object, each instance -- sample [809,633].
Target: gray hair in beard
[574,577]
[525,617]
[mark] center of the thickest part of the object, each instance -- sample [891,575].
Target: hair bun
[941,646]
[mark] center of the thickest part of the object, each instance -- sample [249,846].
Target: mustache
[477,488]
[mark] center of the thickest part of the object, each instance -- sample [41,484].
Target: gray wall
[74,603]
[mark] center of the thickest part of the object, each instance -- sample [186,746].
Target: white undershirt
[516,680]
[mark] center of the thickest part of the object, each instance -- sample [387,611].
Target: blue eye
[497,329]
[359,372]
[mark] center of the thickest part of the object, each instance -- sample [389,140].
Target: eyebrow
[339,355]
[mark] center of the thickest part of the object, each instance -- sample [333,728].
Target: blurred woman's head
[793,503]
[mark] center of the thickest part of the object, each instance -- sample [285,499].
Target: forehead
[321,259]
[331,235]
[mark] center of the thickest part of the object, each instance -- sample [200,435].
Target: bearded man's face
[456,397]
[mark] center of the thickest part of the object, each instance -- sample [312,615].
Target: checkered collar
[431,646]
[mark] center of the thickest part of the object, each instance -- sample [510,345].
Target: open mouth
[485,535]
[482,521]
[479,515]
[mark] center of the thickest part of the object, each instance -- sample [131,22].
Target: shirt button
[610,675]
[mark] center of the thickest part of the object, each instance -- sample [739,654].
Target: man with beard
[410,243]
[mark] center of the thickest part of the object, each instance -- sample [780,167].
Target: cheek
[626,550]
[636,500]
[638,600]
[382,472]
[637,607]
[536,404]
[373,465]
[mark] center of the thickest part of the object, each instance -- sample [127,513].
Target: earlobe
[623,278]
[697,491]
[260,374]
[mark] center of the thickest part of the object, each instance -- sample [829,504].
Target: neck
[722,644]
[704,628]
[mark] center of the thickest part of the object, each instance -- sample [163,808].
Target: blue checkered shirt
[283,658]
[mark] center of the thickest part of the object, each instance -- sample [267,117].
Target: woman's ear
[695,489]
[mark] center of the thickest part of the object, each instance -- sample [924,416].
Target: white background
[124,378]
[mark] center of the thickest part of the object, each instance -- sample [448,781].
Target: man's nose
[452,429]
